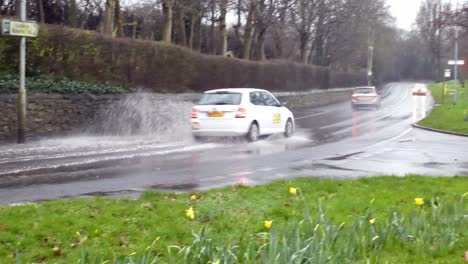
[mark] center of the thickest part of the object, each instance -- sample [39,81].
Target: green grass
[448,116]
[328,222]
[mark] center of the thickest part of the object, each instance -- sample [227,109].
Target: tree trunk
[72,13]
[248,30]
[18,8]
[119,19]
[212,29]
[40,10]
[222,27]
[198,31]
[167,27]
[181,32]
[304,39]
[108,27]
[239,19]
[261,45]
[193,18]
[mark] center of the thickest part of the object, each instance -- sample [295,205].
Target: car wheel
[197,138]
[253,133]
[289,129]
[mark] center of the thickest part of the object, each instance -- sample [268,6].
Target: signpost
[18,28]
[22,29]
[454,62]
[447,75]
[455,77]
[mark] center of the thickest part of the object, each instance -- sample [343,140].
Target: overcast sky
[404,11]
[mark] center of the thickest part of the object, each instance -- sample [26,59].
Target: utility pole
[455,72]
[370,56]
[22,82]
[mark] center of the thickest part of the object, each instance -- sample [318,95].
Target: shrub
[61,85]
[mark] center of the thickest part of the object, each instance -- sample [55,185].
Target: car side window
[269,99]
[256,98]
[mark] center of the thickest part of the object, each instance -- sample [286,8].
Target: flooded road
[333,141]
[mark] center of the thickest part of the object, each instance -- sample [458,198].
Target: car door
[275,114]
[261,112]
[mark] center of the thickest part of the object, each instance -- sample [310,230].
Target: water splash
[142,114]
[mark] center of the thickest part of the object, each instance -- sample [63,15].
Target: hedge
[160,67]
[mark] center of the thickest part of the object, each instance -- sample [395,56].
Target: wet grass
[328,221]
[448,116]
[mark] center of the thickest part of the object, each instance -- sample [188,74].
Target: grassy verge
[41,83]
[448,116]
[327,221]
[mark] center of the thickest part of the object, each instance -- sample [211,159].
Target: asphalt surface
[333,141]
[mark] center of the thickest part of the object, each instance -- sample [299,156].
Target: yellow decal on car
[276,118]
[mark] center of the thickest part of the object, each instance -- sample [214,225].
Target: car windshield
[221,98]
[364,90]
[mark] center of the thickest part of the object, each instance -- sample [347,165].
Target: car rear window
[221,98]
[364,90]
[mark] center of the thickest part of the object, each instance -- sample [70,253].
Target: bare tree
[167,24]
[430,21]
[222,27]
[304,17]
[248,29]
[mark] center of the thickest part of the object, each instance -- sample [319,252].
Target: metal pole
[22,82]
[370,57]
[455,74]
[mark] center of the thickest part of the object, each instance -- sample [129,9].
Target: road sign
[448,73]
[454,62]
[17,28]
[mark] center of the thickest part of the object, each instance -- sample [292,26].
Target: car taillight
[373,95]
[241,113]
[354,96]
[194,113]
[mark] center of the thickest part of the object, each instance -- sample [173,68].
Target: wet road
[333,141]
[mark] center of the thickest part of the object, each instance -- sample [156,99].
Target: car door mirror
[284,103]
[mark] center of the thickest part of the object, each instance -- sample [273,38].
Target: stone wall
[50,115]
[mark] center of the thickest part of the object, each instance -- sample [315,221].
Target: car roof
[237,90]
[360,87]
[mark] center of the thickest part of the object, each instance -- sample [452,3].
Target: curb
[440,131]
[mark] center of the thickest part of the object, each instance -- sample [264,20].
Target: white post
[22,82]
[455,74]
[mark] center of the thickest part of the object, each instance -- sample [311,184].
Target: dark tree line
[333,33]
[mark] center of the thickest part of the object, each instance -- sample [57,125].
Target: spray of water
[159,117]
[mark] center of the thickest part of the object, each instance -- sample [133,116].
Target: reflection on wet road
[332,141]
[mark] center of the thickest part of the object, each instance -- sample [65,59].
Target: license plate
[215,114]
[364,98]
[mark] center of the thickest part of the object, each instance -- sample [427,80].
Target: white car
[419,89]
[240,112]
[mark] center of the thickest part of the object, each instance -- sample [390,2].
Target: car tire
[253,133]
[197,138]
[289,128]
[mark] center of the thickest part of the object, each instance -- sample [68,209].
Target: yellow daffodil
[293,190]
[78,233]
[268,224]
[419,201]
[372,221]
[133,254]
[148,248]
[190,213]
[193,197]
